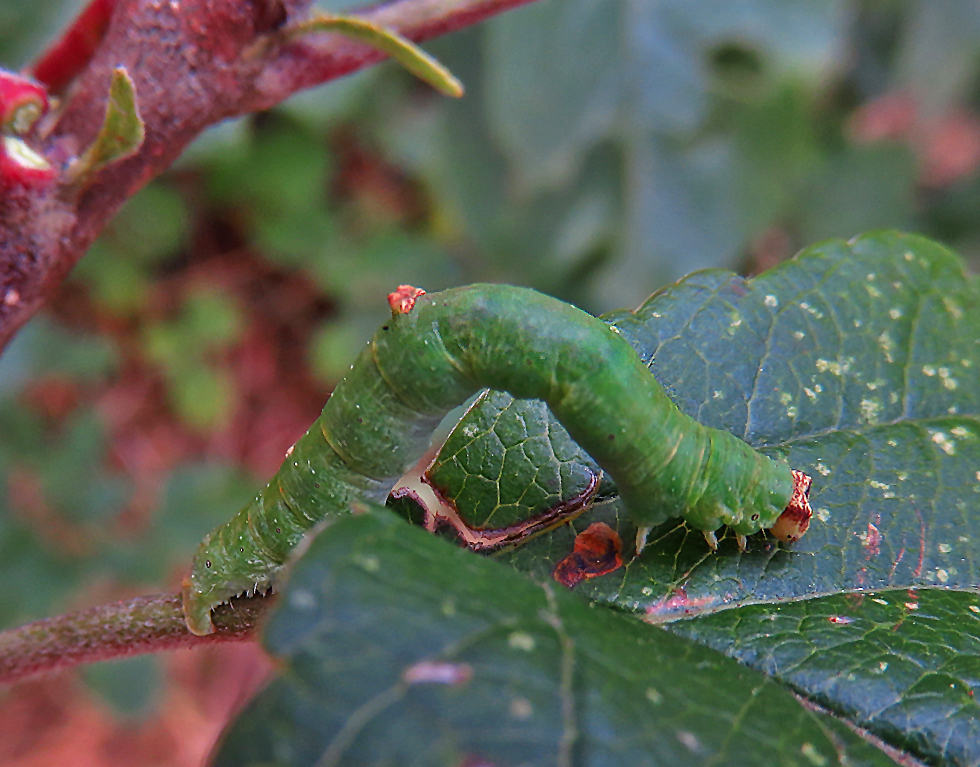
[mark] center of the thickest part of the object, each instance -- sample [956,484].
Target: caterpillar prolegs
[435,352]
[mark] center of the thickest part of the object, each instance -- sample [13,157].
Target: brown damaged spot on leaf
[871,541]
[598,551]
[402,301]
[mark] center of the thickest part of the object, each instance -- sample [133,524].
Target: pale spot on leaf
[945,444]
[521,640]
[301,599]
[807,308]
[690,740]
[521,708]
[887,346]
[953,308]
[369,563]
[948,382]
[813,756]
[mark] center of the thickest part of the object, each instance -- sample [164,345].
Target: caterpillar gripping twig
[434,353]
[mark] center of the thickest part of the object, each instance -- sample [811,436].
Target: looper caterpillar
[434,353]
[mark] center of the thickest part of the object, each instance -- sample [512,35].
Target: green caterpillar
[438,350]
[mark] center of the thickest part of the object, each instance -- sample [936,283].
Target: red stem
[63,61]
[190,64]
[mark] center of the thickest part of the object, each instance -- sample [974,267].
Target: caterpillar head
[793,523]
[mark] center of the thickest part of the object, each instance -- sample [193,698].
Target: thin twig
[138,626]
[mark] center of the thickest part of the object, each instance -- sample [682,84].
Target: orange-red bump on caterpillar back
[402,301]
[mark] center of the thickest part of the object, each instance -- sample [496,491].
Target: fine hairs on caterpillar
[435,352]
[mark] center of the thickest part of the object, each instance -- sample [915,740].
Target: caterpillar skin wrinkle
[435,352]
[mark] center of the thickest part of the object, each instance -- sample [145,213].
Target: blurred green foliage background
[603,149]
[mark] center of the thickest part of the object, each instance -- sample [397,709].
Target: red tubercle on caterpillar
[402,301]
[71,53]
[793,523]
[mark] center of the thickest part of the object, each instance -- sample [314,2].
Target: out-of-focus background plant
[604,148]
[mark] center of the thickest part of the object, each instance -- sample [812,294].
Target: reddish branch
[194,63]
[143,625]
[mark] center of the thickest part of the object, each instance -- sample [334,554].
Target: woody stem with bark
[138,626]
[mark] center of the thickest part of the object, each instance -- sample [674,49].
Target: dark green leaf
[468,662]
[903,664]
